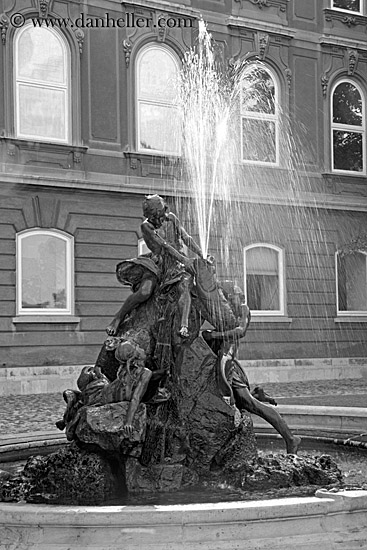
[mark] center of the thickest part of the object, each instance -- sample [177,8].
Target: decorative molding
[280,5]
[261,3]
[352,61]
[79,35]
[349,20]
[127,46]
[77,157]
[11,150]
[4,24]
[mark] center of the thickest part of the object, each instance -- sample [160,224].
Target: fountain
[165,408]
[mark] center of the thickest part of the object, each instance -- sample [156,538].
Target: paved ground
[34,413]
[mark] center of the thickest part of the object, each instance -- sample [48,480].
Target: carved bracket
[161,28]
[288,74]
[4,24]
[262,44]
[352,61]
[127,46]
[44,7]
[79,35]
[324,84]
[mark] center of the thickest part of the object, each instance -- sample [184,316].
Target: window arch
[348,128]
[42,85]
[259,116]
[351,283]
[157,69]
[264,279]
[44,272]
[354,6]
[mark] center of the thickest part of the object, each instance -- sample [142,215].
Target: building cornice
[342,42]
[162,5]
[142,185]
[256,25]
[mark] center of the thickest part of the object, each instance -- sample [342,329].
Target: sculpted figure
[96,390]
[232,375]
[167,264]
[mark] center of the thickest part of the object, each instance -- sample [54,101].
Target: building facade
[87,120]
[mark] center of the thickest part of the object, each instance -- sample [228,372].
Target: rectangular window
[352,283]
[264,280]
[259,140]
[348,151]
[354,6]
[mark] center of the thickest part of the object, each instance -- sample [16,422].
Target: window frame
[69,240]
[348,128]
[138,101]
[42,85]
[347,313]
[263,116]
[344,10]
[281,312]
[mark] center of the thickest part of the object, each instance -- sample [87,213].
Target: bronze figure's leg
[184,303]
[244,400]
[141,295]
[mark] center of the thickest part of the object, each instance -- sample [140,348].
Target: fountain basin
[328,521]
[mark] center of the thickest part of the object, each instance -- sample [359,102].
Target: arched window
[44,272]
[259,116]
[42,85]
[348,128]
[264,279]
[351,280]
[354,6]
[157,121]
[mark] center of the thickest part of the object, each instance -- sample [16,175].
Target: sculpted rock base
[104,426]
[68,476]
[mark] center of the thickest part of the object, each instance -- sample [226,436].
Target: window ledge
[67,319]
[154,156]
[351,319]
[270,319]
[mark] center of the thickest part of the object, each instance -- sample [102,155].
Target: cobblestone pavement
[33,413]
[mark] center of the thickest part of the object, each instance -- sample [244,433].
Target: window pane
[262,279]
[42,112]
[44,272]
[352,5]
[263,292]
[352,283]
[41,56]
[158,128]
[348,151]
[259,140]
[157,76]
[347,105]
[258,92]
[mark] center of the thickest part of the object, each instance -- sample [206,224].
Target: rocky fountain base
[195,438]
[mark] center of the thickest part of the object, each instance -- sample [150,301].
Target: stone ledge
[55,379]
[328,520]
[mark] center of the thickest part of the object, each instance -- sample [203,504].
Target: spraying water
[207,102]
